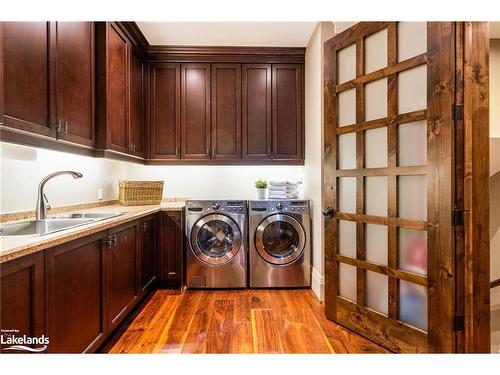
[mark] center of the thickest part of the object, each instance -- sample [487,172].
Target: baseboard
[318,284]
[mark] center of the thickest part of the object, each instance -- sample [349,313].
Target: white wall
[22,168]
[313,168]
[495,88]
[199,182]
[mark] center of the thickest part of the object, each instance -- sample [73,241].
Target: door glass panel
[412,89]
[412,39]
[347,151]
[412,143]
[412,197]
[347,194]
[413,304]
[280,239]
[347,238]
[346,107]
[376,148]
[376,243]
[347,281]
[346,61]
[376,99]
[215,238]
[376,195]
[376,51]
[412,246]
[377,292]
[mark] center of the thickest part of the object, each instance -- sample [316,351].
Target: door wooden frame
[458,278]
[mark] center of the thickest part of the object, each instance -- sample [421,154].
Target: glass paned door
[388,178]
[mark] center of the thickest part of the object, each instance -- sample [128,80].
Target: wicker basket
[139,193]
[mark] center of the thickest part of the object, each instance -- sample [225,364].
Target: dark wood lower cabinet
[22,297]
[122,254]
[75,279]
[77,293]
[172,249]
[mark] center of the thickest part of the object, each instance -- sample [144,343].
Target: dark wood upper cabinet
[256,111]
[27,88]
[195,111]
[75,82]
[22,296]
[226,111]
[117,88]
[165,129]
[287,101]
[122,262]
[75,275]
[136,110]
[148,252]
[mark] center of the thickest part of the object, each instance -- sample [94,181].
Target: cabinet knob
[66,127]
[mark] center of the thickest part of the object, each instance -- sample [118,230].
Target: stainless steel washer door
[215,239]
[280,239]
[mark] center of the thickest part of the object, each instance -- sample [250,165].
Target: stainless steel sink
[88,215]
[41,227]
[53,224]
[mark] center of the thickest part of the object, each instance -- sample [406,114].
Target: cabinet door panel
[165,111]
[148,253]
[75,295]
[195,118]
[136,104]
[27,88]
[226,111]
[287,111]
[122,262]
[75,80]
[117,120]
[256,111]
[172,248]
[22,297]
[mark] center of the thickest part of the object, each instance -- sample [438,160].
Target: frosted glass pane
[412,39]
[346,62]
[376,195]
[346,102]
[412,197]
[413,304]
[376,148]
[412,89]
[376,51]
[347,281]
[376,99]
[347,238]
[412,143]
[347,151]
[412,246]
[377,292]
[347,194]
[376,237]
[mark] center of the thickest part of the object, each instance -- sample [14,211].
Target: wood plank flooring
[235,321]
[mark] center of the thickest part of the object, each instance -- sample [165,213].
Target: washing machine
[279,243]
[216,249]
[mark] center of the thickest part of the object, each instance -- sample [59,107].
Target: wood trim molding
[495,283]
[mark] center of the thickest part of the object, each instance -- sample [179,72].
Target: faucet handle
[47,205]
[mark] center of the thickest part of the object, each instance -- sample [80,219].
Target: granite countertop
[15,247]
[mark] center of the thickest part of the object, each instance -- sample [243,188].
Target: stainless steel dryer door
[215,239]
[280,239]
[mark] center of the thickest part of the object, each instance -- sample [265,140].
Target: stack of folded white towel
[283,190]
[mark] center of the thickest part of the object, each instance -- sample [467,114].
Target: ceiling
[263,34]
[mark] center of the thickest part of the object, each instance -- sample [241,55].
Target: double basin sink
[53,224]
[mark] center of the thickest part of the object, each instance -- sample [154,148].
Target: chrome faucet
[41,201]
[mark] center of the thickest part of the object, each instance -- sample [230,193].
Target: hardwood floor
[236,321]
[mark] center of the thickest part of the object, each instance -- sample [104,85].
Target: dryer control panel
[234,206]
[291,206]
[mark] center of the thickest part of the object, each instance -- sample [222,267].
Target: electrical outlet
[99,194]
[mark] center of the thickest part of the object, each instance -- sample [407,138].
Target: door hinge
[458,112]
[458,323]
[457,217]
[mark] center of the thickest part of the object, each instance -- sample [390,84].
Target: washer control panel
[291,206]
[236,206]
